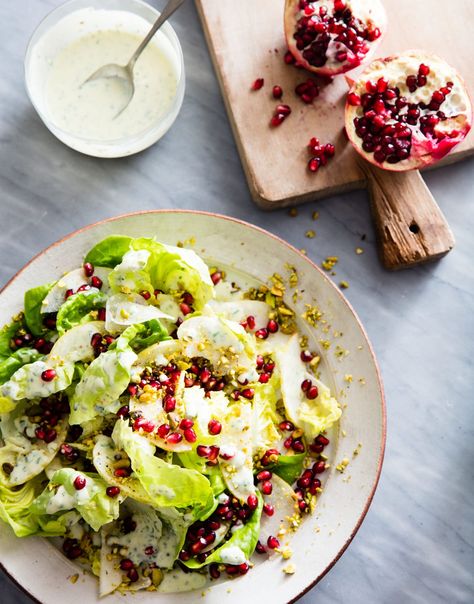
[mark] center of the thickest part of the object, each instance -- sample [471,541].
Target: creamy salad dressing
[90,110]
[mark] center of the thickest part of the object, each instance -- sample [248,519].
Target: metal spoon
[124,73]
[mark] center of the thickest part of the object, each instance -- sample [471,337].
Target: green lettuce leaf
[104,380]
[177,269]
[92,502]
[132,275]
[77,309]
[6,334]
[242,543]
[152,333]
[109,252]
[26,382]
[15,510]
[289,467]
[166,484]
[17,359]
[32,302]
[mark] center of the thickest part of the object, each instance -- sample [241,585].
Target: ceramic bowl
[44,573]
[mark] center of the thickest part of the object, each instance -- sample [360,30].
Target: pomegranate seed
[198,546]
[264,378]
[216,277]
[353,99]
[306,356]
[83,288]
[146,295]
[174,438]
[40,433]
[232,569]
[250,320]
[258,84]
[298,446]
[305,385]
[48,375]
[122,472]
[184,555]
[286,426]
[126,564]
[243,568]
[186,423]
[214,427]
[248,393]
[313,164]
[288,442]
[312,392]
[68,294]
[149,550]
[124,411]
[133,575]
[319,467]
[163,430]
[252,502]
[190,435]
[272,326]
[214,452]
[205,376]
[79,482]
[423,69]
[322,440]
[88,269]
[144,424]
[277,92]
[203,451]
[112,491]
[289,58]
[273,542]
[261,334]
[268,509]
[185,308]
[267,487]
[260,549]
[169,403]
[96,282]
[264,475]
[74,552]
[303,506]
[283,110]
[214,571]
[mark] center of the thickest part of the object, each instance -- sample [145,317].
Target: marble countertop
[416,544]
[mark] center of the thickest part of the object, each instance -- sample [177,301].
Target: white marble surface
[416,544]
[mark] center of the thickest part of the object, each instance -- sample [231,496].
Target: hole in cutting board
[414,228]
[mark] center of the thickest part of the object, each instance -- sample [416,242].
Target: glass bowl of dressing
[71,43]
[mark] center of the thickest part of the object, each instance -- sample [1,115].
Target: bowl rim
[174,108]
[313,265]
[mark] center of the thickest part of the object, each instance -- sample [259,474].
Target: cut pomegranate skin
[333,36]
[407,111]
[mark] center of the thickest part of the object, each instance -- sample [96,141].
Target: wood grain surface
[246,41]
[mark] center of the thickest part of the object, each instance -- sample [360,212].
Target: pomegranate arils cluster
[307,91]
[328,37]
[280,114]
[320,154]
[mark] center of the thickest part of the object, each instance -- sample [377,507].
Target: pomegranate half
[407,111]
[333,36]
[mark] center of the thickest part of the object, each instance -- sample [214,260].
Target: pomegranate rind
[425,150]
[371,12]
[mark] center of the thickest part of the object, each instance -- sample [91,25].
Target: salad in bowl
[162,424]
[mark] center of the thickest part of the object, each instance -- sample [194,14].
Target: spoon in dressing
[124,73]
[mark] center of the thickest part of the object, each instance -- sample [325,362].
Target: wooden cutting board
[246,42]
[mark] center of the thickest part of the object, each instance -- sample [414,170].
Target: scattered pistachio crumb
[312,315]
[359,251]
[310,234]
[73,578]
[303,251]
[286,553]
[329,263]
[315,215]
[326,344]
[344,433]
[341,467]
[362,381]
[348,378]
[293,212]
[343,284]
[357,450]
[289,569]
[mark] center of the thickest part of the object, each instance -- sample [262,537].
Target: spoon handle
[169,9]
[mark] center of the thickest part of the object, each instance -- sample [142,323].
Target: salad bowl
[252,257]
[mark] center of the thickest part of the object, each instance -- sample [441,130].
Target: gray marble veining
[416,544]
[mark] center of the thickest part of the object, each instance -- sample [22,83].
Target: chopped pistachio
[343,284]
[73,578]
[348,378]
[310,234]
[329,263]
[315,215]
[293,212]
[359,251]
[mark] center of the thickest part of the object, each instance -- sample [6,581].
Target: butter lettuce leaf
[109,252]
[167,485]
[240,546]
[78,309]
[104,380]
[33,305]
[17,359]
[92,501]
